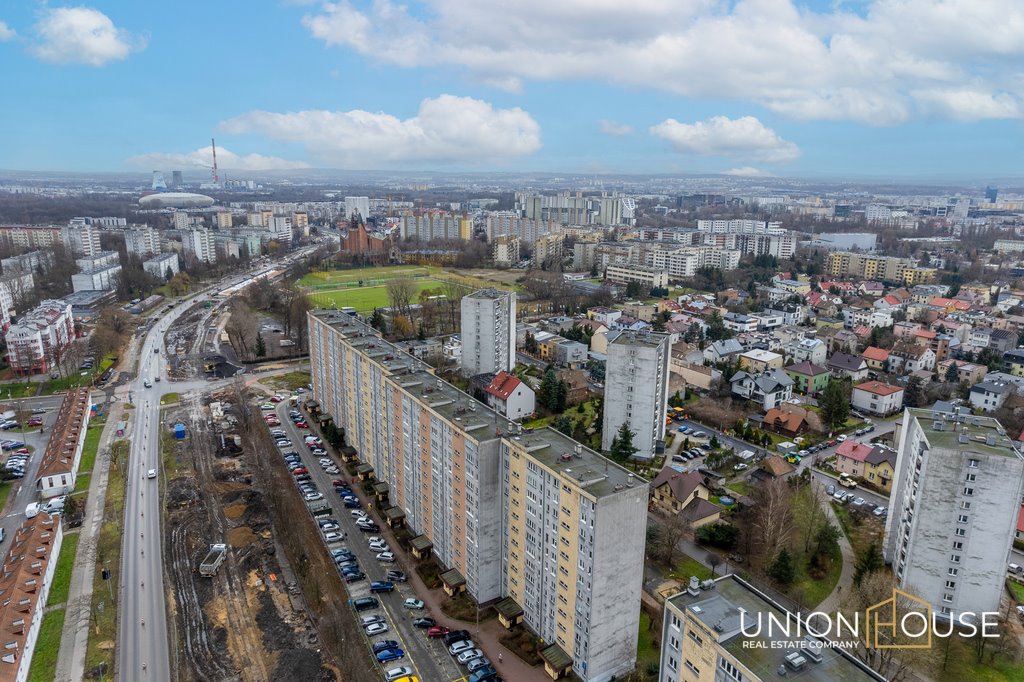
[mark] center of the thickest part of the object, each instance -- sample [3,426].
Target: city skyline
[752,89]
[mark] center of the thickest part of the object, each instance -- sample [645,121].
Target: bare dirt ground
[245,623]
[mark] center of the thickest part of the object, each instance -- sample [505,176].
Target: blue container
[179,431]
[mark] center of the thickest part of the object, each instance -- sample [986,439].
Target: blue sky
[882,88]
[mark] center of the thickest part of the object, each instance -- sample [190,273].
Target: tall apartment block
[636,390]
[529,517]
[954,507]
[488,332]
[702,640]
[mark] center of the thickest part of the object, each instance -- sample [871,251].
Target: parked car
[455,636]
[830,489]
[389,655]
[478,664]
[424,623]
[415,604]
[468,655]
[375,618]
[384,644]
[365,604]
[437,632]
[739,467]
[398,673]
[462,645]
[376,629]
[381,586]
[386,557]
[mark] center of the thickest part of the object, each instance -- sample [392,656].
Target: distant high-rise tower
[991,194]
[176,180]
[488,332]
[159,184]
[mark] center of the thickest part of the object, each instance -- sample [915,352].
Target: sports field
[365,299]
[341,288]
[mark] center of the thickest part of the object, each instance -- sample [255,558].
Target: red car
[35,421]
[300,471]
[437,632]
[338,481]
[301,425]
[276,399]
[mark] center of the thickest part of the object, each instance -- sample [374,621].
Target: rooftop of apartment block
[965,432]
[493,294]
[596,474]
[640,338]
[718,609]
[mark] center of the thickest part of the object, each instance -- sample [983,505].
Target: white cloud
[747,172]
[82,35]
[6,32]
[446,129]
[742,138]
[203,157]
[967,104]
[877,67]
[614,129]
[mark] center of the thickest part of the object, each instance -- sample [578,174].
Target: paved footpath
[74,639]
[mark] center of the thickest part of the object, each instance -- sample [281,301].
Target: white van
[32,510]
[1015,569]
[54,506]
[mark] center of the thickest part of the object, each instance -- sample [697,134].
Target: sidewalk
[833,601]
[74,639]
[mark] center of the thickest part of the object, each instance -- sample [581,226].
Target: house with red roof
[877,358]
[876,397]
[875,464]
[511,397]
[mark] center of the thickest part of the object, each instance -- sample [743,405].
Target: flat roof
[984,435]
[719,610]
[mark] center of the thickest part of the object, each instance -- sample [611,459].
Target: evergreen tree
[834,404]
[622,444]
[716,328]
[548,394]
[951,374]
[261,346]
[563,424]
[782,569]
[869,561]
[914,394]
[378,322]
[593,270]
[634,290]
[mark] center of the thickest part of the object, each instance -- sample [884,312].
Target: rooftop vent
[990,440]
[937,426]
[964,438]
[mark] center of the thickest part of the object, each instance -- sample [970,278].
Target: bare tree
[713,560]
[670,530]
[895,663]
[453,295]
[297,309]
[774,502]
[400,294]
[241,327]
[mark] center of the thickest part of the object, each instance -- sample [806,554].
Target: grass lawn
[89,450]
[321,277]
[14,391]
[648,655]
[168,398]
[5,491]
[962,663]
[289,381]
[365,299]
[103,624]
[741,487]
[62,574]
[687,566]
[44,659]
[809,591]
[539,423]
[1017,590]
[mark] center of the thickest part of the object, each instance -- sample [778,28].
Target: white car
[332,536]
[468,655]
[386,557]
[376,629]
[380,547]
[267,407]
[358,514]
[151,473]
[459,647]
[413,604]
[397,673]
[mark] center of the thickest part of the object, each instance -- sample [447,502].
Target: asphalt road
[430,662]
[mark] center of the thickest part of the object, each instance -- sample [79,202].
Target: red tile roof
[1020,520]
[878,388]
[503,385]
[875,353]
[851,449]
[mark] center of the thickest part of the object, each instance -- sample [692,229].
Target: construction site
[247,620]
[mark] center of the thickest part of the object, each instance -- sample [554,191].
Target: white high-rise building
[199,243]
[81,238]
[636,390]
[359,205]
[143,241]
[488,332]
[954,508]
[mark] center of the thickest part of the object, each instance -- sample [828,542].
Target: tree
[547,396]
[261,345]
[782,569]
[869,561]
[713,560]
[671,529]
[951,373]
[914,395]
[180,283]
[622,445]
[401,327]
[716,328]
[834,404]
[530,344]
[634,290]
[675,400]
[563,424]
[593,270]
[774,522]
[400,294]
[714,442]
[378,322]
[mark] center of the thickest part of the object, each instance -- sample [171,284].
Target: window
[947,597]
[950,584]
[961,532]
[955,558]
[973,463]
[958,545]
[954,572]
[965,505]
[695,637]
[962,518]
[968,491]
[694,669]
[729,669]
[971,478]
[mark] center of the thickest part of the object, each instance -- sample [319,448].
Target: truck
[319,508]
[8,414]
[214,558]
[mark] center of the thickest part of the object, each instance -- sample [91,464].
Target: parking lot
[427,658]
[23,490]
